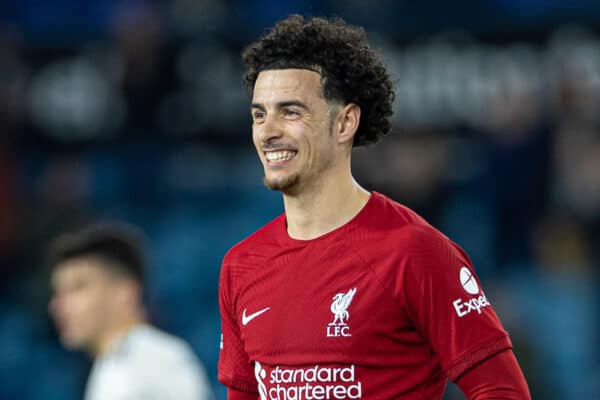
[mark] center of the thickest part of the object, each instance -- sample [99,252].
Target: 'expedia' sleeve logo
[469,284]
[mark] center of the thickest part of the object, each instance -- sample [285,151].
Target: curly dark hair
[350,69]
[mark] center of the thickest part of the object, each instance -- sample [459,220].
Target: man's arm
[498,377]
[235,369]
[233,394]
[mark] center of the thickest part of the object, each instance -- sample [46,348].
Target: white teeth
[279,155]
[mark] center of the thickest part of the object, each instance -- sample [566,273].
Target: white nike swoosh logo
[248,318]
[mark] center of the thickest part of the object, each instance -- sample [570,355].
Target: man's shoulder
[147,343]
[257,243]
[149,360]
[390,214]
[399,223]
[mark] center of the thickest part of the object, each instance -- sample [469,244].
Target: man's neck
[113,335]
[323,207]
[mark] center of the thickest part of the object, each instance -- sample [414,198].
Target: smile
[280,156]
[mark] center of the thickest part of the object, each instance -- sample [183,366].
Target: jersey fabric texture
[148,364]
[384,307]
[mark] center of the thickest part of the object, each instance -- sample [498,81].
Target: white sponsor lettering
[260,374]
[311,392]
[336,331]
[465,307]
[315,383]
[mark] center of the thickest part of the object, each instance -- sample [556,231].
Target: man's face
[291,128]
[82,301]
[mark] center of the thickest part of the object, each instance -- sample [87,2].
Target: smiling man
[348,294]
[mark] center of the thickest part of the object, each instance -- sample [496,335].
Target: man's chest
[329,310]
[109,379]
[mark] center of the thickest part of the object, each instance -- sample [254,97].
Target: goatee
[282,185]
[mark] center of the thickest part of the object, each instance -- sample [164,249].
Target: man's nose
[271,128]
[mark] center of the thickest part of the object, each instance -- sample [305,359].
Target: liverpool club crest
[339,307]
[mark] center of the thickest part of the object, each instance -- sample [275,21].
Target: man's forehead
[77,268]
[286,82]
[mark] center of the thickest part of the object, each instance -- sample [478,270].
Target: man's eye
[288,112]
[258,115]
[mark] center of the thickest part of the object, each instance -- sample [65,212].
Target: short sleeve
[447,304]
[235,370]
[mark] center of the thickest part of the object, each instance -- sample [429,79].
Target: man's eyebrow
[282,104]
[294,103]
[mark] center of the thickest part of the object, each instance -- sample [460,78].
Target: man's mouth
[280,156]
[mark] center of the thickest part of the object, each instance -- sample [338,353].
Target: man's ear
[347,122]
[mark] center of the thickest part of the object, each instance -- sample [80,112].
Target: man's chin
[73,343]
[282,185]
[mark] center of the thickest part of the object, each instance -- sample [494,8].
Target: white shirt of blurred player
[148,364]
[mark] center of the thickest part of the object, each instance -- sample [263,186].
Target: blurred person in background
[97,277]
[348,294]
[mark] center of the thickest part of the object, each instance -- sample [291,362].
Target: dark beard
[282,185]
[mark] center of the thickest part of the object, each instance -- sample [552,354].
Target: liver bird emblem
[339,306]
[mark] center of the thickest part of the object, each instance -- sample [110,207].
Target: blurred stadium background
[134,109]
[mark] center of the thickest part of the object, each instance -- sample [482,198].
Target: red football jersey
[384,307]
